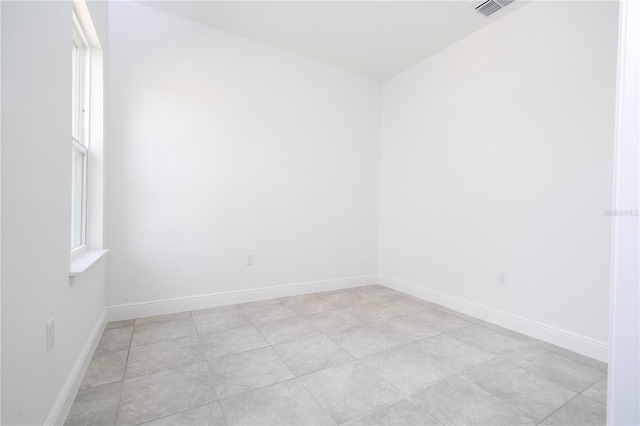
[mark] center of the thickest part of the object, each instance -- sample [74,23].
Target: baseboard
[557,336]
[61,408]
[181,304]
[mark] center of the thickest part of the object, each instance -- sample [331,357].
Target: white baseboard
[190,303]
[557,336]
[61,408]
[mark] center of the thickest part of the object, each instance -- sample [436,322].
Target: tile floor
[362,356]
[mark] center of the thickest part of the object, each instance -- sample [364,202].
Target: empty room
[319,212]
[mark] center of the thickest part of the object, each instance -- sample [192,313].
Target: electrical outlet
[503,278]
[51,334]
[249,260]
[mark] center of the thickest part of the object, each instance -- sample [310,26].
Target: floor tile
[375,295]
[456,401]
[220,320]
[334,320]
[440,321]
[267,312]
[232,341]
[105,367]
[405,304]
[287,329]
[382,335]
[118,324]
[287,403]
[248,371]
[307,304]
[331,292]
[401,413]
[581,411]
[165,393]
[165,355]
[465,317]
[205,415]
[114,339]
[179,366]
[487,340]
[342,300]
[350,390]
[259,303]
[602,366]
[95,406]
[367,287]
[157,331]
[312,354]
[214,309]
[423,363]
[507,332]
[372,312]
[563,371]
[519,388]
[598,392]
[163,318]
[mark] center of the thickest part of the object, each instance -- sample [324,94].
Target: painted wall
[36,194]
[623,403]
[222,147]
[497,156]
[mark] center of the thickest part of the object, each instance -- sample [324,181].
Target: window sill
[83,261]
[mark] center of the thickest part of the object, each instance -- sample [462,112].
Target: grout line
[124,373]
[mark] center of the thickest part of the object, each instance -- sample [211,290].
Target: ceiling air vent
[492,6]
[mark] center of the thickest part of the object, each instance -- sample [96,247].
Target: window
[80,90]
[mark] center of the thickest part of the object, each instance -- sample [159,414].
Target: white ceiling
[377,39]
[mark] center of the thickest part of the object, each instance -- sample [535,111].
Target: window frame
[80,123]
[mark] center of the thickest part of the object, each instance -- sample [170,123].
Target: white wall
[623,404]
[220,147]
[497,155]
[36,194]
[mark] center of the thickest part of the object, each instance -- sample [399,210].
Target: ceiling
[377,39]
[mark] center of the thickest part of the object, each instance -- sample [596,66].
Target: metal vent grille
[504,3]
[492,6]
[488,7]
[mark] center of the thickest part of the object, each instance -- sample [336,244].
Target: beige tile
[515,386]
[247,371]
[488,340]
[232,341]
[95,406]
[581,411]
[563,371]
[114,339]
[348,391]
[312,354]
[598,392]
[287,329]
[205,415]
[118,324]
[440,321]
[259,313]
[105,367]
[287,403]
[456,401]
[401,413]
[220,320]
[152,331]
[165,355]
[165,393]
[334,320]
[423,363]
[307,304]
